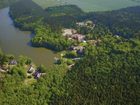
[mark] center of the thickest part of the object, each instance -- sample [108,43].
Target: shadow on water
[30,43]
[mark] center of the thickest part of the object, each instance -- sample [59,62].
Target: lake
[16,42]
[91,5]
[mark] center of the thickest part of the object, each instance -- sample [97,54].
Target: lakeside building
[31,69]
[72,34]
[13,62]
[88,24]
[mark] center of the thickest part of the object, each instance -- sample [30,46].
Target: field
[91,5]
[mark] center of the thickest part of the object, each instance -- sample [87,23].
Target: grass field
[91,5]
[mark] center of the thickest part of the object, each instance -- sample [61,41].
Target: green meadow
[91,5]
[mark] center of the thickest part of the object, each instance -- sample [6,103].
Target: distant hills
[108,73]
[90,5]
[123,22]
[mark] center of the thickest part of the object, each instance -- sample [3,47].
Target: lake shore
[17,42]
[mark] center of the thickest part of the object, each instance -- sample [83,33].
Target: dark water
[16,42]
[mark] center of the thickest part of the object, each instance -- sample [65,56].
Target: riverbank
[17,42]
[42,21]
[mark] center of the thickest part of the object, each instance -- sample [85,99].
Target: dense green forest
[107,74]
[34,18]
[27,15]
[47,38]
[30,16]
[17,87]
[123,22]
[64,10]
[53,16]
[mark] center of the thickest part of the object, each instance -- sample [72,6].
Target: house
[78,49]
[88,24]
[2,70]
[81,24]
[75,59]
[117,36]
[31,69]
[78,37]
[5,67]
[72,34]
[70,66]
[13,62]
[37,74]
[94,42]
[57,60]
[68,32]
[84,41]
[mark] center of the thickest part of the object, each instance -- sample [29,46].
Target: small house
[13,62]
[78,49]
[37,74]
[75,59]
[31,69]
[78,37]
[94,42]
[81,24]
[88,24]
[70,66]
[69,32]
[57,60]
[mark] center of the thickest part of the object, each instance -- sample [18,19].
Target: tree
[42,69]
[18,71]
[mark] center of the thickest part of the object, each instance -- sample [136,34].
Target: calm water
[91,5]
[14,41]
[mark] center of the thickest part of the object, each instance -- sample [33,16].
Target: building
[31,69]
[81,24]
[70,66]
[13,62]
[37,74]
[78,37]
[78,49]
[94,42]
[68,32]
[57,60]
[75,59]
[88,24]
[72,34]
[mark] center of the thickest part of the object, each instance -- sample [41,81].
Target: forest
[107,74]
[30,16]
[47,38]
[17,87]
[124,22]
